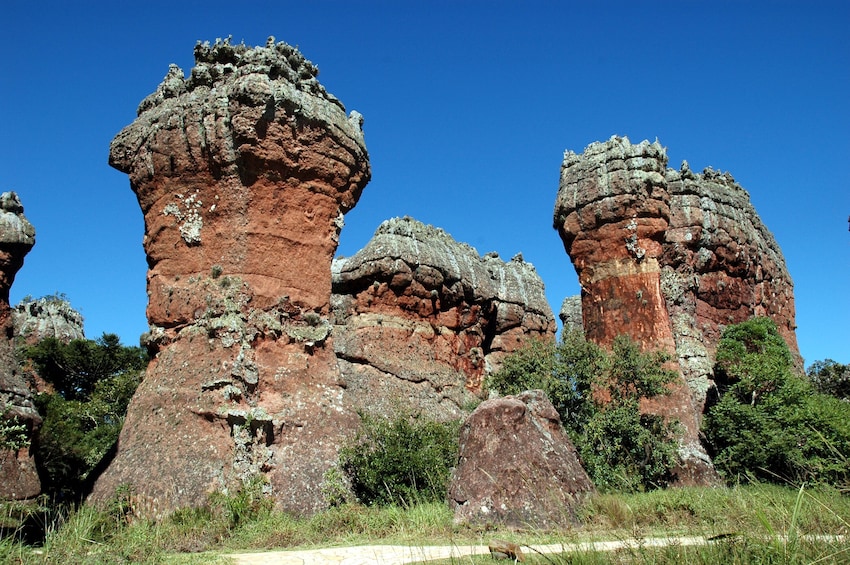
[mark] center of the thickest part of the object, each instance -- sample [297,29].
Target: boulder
[18,414]
[669,258]
[516,466]
[421,319]
[243,171]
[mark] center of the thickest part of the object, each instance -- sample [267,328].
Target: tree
[598,394]
[829,377]
[769,423]
[94,381]
[75,368]
[403,460]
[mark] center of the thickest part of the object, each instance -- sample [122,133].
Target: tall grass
[749,524]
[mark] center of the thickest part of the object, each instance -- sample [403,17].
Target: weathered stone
[47,317]
[243,172]
[570,313]
[669,258]
[517,466]
[18,475]
[421,319]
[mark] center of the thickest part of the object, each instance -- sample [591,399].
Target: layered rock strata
[516,466]
[420,319]
[669,258]
[243,172]
[18,414]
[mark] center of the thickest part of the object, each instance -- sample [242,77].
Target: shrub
[401,461]
[621,448]
[770,423]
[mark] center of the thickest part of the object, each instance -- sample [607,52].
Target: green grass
[756,524]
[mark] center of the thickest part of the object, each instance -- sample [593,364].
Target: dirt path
[399,554]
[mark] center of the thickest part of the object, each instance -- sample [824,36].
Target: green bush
[769,423]
[403,461]
[621,448]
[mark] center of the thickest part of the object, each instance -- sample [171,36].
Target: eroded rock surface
[570,314]
[18,475]
[243,171]
[420,318]
[669,258]
[516,466]
[47,317]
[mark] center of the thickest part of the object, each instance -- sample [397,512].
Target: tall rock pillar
[18,474]
[669,258]
[612,212]
[243,172]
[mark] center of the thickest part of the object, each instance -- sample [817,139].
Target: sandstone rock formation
[18,475]
[669,258]
[243,172]
[421,319]
[49,316]
[517,466]
[570,314]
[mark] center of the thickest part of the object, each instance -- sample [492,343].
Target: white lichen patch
[187,212]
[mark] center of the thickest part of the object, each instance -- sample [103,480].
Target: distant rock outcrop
[421,319]
[669,258]
[517,466]
[243,172]
[18,475]
[570,313]
[49,316]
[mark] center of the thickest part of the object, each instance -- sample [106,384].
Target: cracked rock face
[421,319]
[243,171]
[516,466]
[669,258]
[18,475]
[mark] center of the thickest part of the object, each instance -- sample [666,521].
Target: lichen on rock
[421,319]
[47,317]
[669,258]
[243,171]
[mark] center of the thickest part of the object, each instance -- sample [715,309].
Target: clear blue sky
[469,106]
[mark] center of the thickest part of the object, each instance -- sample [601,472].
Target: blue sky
[469,106]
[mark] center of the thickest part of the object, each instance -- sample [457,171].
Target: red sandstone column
[243,172]
[612,212]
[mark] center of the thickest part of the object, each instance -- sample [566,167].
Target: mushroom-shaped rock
[669,258]
[243,171]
